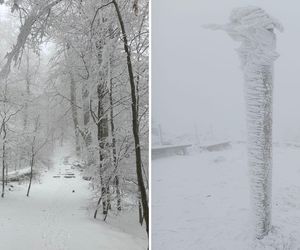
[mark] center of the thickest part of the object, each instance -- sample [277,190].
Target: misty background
[196,75]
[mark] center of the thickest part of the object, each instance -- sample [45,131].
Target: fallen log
[18,175]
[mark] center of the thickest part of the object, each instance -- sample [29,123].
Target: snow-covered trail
[55,218]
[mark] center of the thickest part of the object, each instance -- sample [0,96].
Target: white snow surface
[202,201]
[54,218]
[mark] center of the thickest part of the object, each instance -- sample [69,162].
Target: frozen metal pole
[254,28]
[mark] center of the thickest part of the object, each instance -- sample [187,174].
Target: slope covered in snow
[201,201]
[56,218]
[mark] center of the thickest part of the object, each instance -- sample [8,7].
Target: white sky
[196,75]
[3,11]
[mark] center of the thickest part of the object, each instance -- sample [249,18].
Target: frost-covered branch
[25,30]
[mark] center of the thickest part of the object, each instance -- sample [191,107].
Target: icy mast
[254,28]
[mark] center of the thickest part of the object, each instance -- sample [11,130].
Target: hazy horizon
[196,72]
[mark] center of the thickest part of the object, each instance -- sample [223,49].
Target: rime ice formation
[254,28]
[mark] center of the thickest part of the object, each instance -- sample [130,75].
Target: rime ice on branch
[254,28]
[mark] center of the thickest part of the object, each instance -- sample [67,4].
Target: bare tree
[8,112]
[35,146]
[73,99]
[135,124]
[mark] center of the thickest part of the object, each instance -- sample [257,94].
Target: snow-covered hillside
[201,201]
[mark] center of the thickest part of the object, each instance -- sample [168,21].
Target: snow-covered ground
[201,201]
[55,218]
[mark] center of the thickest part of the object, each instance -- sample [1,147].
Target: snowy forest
[74,124]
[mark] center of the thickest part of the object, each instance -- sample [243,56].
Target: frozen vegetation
[74,124]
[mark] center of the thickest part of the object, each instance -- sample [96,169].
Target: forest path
[55,218]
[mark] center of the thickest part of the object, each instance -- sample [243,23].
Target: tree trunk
[6,175]
[135,126]
[118,190]
[113,139]
[27,91]
[33,153]
[87,135]
[31,171]
[3,160]
[3,168]
[73,98]
[141,219]
[101,136]
[74,112]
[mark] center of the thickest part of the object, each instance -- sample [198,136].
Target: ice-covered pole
[254,28]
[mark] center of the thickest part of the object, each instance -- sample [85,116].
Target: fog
[67,123]
[196,75]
